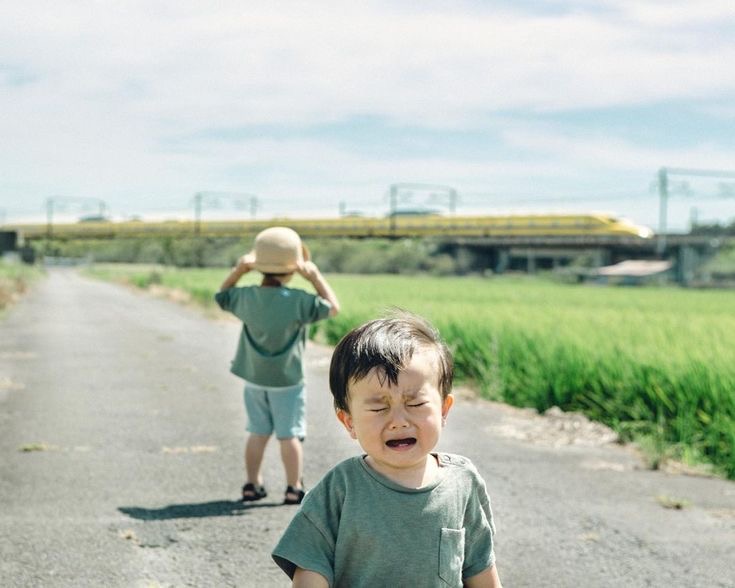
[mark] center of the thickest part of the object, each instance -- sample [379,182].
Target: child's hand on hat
[308,270]
[246,262]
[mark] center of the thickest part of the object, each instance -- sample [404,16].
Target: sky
[289,109]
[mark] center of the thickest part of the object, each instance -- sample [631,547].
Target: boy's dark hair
[274,279]
[387,344]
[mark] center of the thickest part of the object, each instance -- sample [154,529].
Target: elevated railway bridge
[531,253]
[501,243]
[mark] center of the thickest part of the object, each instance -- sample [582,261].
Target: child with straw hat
[270,350]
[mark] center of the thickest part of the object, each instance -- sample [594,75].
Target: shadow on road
[216,508]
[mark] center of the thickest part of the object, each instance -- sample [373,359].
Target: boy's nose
[398,419]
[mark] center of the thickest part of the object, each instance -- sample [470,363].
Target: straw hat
[279,250]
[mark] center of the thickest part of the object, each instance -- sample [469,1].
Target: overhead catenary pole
[49,217]
[436,191]
[210,197]
[197,212]
[453,197]
[52,201]
[393,205]
[663,194]
[693,217]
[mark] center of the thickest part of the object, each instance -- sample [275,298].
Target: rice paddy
[653,363]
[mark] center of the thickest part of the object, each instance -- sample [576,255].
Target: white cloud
[677,13]
[242,65]
[600,152]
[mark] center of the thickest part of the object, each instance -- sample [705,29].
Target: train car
[471,226]
[396,226]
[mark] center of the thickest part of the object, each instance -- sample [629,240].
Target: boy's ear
[446,405]
[346,419]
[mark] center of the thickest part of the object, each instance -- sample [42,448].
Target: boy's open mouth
[407,442]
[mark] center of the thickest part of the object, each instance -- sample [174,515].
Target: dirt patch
[174,294]
[554,427]
[10,291]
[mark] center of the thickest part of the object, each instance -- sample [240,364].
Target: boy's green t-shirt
[273,336]
[358,528]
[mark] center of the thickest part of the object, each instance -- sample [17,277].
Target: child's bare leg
[254,451]
[292,455]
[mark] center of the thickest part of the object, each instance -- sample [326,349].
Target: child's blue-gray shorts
[279,410]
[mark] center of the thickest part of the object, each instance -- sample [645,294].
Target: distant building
[635,272]
[8,241]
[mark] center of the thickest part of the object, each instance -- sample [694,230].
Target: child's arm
[310,271]
[307,579]
[487,579]
[244,265]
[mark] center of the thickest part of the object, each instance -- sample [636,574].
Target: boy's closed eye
[378,409]
[409,405]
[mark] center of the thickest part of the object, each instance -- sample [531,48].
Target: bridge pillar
[688,260]
[600,257]
[503,259]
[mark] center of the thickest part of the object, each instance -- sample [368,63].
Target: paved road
[139,431]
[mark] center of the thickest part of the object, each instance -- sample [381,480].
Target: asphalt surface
[121,432]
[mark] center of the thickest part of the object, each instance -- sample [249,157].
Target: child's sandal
[251,492]
[294,495]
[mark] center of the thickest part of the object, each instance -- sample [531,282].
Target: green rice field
[656,364]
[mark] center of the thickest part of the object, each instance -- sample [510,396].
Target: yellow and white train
[400,225]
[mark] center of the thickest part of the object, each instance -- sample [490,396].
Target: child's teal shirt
[273,337]
[358,528]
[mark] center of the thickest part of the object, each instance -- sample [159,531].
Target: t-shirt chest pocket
[451,556]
